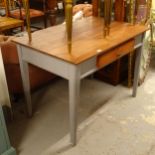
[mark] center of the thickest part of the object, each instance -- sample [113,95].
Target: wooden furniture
[2,4]
[16,10]
[95,4]
[7,23]
[119,10]
[90,52]
[115,72]
[48,6]
[5,147]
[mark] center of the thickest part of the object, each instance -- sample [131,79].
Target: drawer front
[115,53]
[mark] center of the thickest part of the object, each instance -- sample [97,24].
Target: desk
[90,52]
[7,23]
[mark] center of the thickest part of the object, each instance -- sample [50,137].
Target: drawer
[115,53]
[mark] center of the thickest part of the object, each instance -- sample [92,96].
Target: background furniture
[15,10]
[5,147]
[49,7]
[7,24]
[115,72]
[38,76]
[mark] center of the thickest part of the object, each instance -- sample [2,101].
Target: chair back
[8,5]
[2,5]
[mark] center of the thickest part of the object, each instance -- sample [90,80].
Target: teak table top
[87,39]
[8,23]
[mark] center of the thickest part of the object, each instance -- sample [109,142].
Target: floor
[110,121]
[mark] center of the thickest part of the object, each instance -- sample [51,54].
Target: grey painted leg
[26,82]
[74,90]
[136,72]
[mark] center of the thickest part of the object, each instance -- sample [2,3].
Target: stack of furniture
[117,71]
[121,69]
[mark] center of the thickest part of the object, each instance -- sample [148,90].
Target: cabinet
[5,147]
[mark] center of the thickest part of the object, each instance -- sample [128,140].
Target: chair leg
[22,28]
[45,21]
[52,17]
[130,63]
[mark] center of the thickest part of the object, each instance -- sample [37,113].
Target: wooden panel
[95,7]
[106,58]
[114,54]
[125,48]
[119,10]
[115,72]
[8,23]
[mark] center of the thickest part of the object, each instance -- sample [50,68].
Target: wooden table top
[8,23]
[87,39]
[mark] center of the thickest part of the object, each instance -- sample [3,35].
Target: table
[7,23]
[90,52]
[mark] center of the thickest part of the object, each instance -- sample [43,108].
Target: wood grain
[7,23]
[114,54]
[87,39]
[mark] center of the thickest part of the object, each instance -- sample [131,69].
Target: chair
[2,3]
[14,9]
[49,7]
[8,23]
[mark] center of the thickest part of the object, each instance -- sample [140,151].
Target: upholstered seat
[87,9]
[7,23]
[15,9]
[33,13]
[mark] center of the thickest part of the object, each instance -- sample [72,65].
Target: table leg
[130,62]
[74,93]
[26,82]
[137,70]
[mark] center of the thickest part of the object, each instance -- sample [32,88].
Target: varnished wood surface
[114,54]
[87,39]
[7,23]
